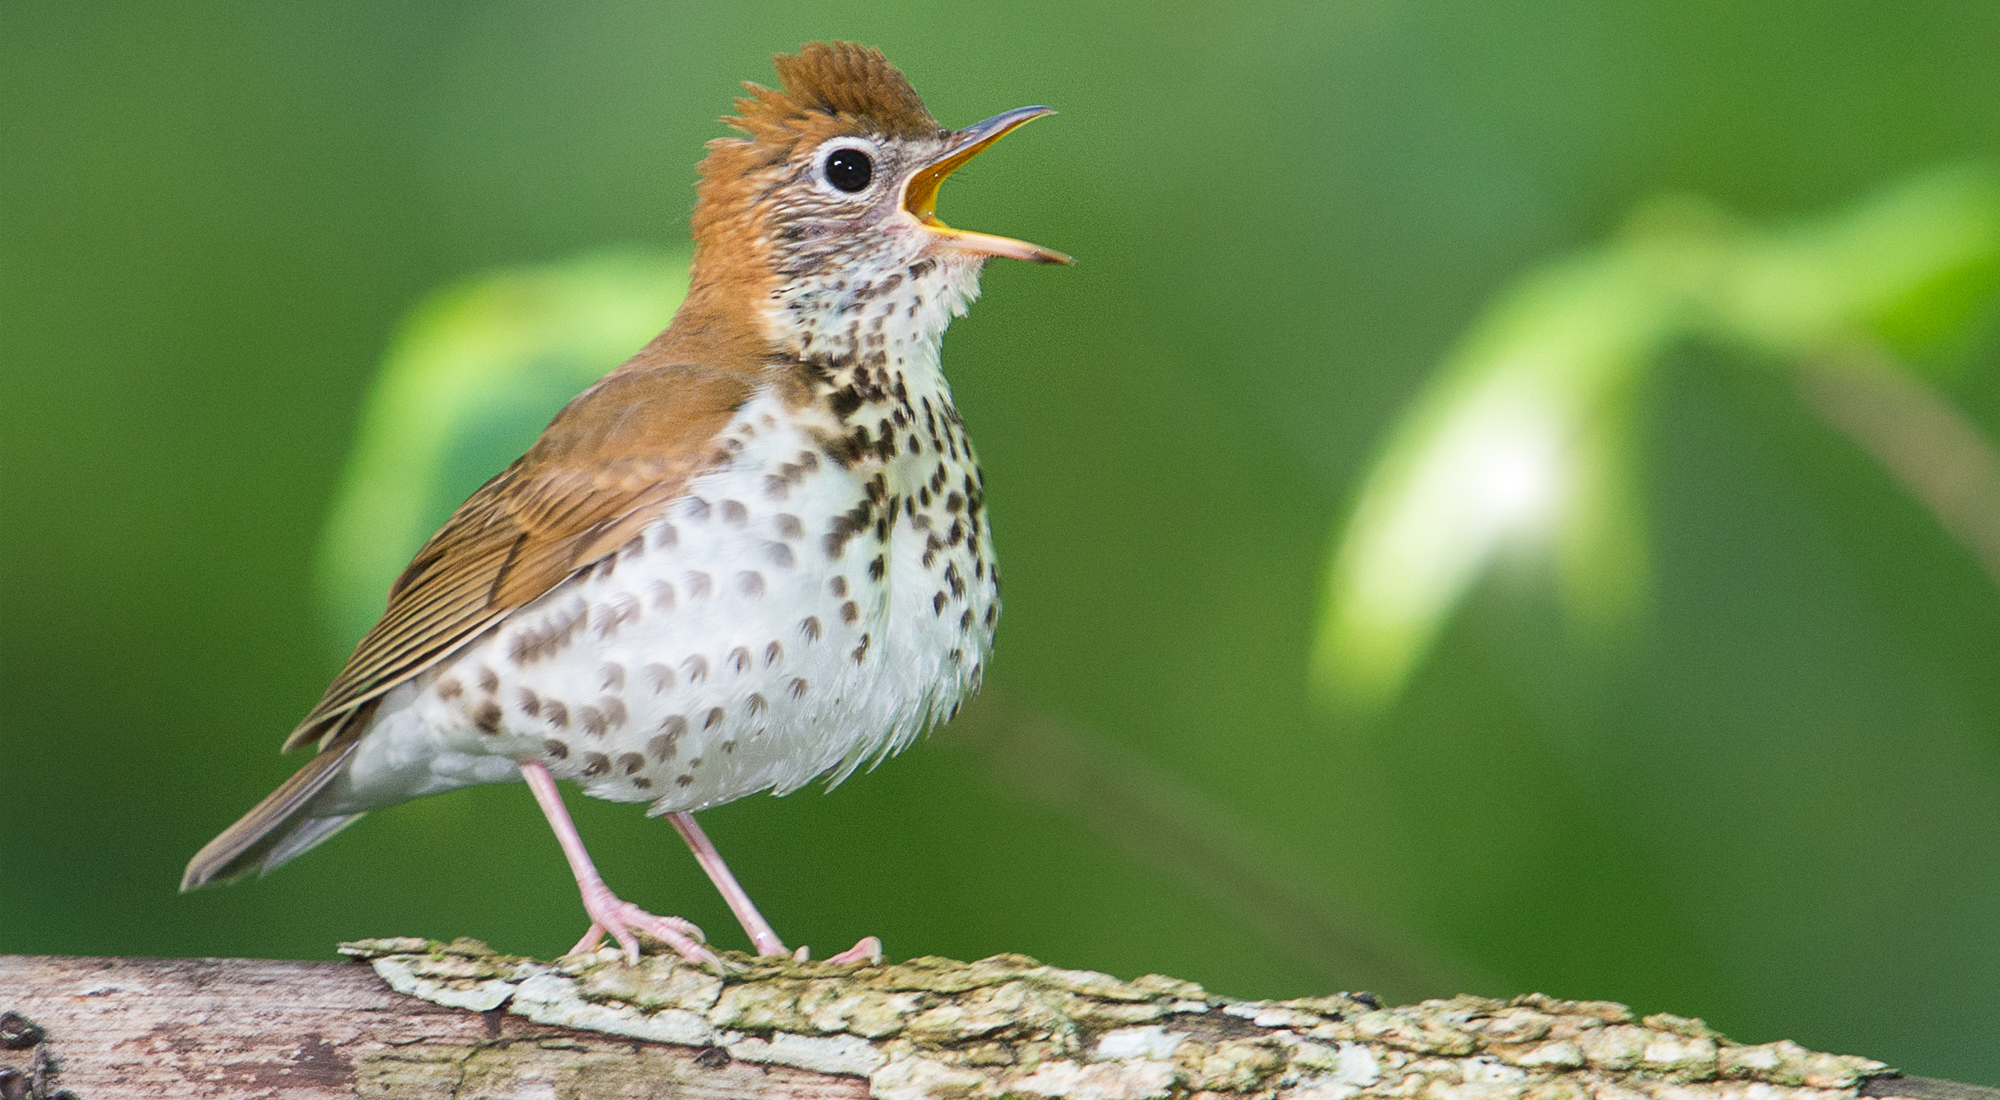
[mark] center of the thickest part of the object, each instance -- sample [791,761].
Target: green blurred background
[1769,795]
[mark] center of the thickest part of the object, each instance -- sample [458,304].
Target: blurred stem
[1919,436]
[1255,878]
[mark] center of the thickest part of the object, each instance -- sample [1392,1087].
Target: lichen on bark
[1009,1026]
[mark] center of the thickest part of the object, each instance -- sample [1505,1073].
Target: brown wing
[610,463]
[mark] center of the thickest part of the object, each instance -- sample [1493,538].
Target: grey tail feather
[279,827]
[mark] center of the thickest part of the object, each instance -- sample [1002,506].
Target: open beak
[920,194]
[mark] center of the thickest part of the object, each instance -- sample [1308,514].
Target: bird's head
[828,204]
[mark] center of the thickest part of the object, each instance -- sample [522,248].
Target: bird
[755,554]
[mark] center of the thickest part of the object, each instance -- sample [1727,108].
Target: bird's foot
[625,922]
[868,950]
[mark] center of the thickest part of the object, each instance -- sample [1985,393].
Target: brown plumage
[606,466]
[783,253]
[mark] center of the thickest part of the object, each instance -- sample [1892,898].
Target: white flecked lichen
[1008,1026]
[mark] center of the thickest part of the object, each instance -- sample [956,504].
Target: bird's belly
[749,640]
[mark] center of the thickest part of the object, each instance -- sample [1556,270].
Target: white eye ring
[847,167]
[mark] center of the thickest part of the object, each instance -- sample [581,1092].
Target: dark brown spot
[695,668]
[531,704]
[615,613]
[596,763]
[776,487]
[839,586]
[877,568]
[756,704]
[810,628]
[611,677]
[798,686]
[593,720]
[660,676]
[555,749]
[965,620]
[734,512]
[684,780]
[630,762]
[937,604]
[488,682]
[662,747]
[552,637]
[954,502]
[992,613]
[849,613]
[713,720]
[729,746]
[449,688]
[614,710]
[643,784]
[789,526]
[773,653]
[557,713]
[487,717]
[861,650]
[739,658]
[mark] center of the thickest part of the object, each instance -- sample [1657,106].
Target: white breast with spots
[777,624]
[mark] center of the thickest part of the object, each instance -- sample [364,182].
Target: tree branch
[459,1021]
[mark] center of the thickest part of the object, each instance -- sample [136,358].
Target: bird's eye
[849,169]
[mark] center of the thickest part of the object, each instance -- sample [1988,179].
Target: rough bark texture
[457,1020]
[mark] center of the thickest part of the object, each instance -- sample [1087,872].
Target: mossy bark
[459,1020]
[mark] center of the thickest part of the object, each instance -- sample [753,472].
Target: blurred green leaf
[1524,438]
[1911,266]
[473,375]
[1507,442]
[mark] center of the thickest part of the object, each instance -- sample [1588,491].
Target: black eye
[849,169]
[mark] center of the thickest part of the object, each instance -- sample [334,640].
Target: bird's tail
[278,828]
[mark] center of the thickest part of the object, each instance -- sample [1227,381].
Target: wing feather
[609,464]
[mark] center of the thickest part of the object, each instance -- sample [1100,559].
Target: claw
[622,919]
[868,950]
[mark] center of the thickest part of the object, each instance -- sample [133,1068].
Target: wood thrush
[755,553]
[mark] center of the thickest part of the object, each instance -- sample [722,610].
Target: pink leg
[762,937]
[607,912]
